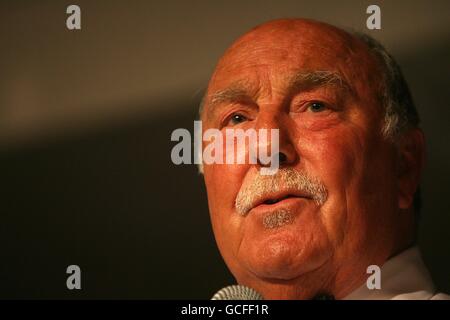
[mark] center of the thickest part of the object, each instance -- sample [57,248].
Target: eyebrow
[314,79]
[236,92]
[304,80]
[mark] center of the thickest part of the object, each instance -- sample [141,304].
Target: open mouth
[276,200]
[272,200]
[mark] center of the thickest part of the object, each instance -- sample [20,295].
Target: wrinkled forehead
[271,54]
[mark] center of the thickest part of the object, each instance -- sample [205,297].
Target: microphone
[237,292]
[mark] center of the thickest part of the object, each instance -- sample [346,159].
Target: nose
[286,153]
[282,157]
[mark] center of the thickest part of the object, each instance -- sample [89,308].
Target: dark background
[85,123]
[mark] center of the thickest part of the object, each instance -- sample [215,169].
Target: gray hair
[400,113]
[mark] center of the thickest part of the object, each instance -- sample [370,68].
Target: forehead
[285,50]
[264,59]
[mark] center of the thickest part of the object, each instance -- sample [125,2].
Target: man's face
[330,132]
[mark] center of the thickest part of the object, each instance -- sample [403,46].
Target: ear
[411,161]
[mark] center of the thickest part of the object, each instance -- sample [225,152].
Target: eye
[317,107]
[237,118]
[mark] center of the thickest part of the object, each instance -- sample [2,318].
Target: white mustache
[285,179]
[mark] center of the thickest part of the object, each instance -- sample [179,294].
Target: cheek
[222,185]
[357,170]
[337,156]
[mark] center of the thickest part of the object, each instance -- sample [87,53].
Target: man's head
[350,159]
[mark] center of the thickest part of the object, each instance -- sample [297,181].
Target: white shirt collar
[403,277]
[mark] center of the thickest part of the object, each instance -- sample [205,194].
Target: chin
[282,258]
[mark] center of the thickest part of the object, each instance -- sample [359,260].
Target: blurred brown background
[85,124]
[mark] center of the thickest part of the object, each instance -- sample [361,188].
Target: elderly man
[350,158]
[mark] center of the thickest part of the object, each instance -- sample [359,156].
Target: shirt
[403,277]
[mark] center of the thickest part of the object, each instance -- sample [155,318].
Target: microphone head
[237,292]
